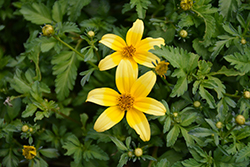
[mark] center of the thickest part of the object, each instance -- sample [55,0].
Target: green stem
[230,95]
[229,131]
[154,154]
[70,47]
[67,117]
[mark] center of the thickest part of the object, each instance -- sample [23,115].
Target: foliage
[45,80]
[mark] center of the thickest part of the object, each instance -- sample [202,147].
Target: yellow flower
[134,49]
[161,68]
[132,98]
[29,152]
[186,4]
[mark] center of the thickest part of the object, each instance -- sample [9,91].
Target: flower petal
[149,43]
[150,106]
[108,118]
[125,76]
[146,59]
[113,41]
[110,61]
[134,34]
[138,121]
[143,85]
[103,96]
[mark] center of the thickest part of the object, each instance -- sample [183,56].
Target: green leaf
[241,61]
[15,109]
[19,84]
[47,43]
[69,27]
[49,152]
[123,160]
[185,20]
[10,160]
[73,147]
[228,72]
[172,135]
[219,46]
[75,7]
[84,118]
[57,13]
[227,7]
[163,163]
[66,71]
[201,49]
[188,138]
[93,151]
[119,144]
[180,87]
[36,13]
[201,132]
[189,119]
[167,124]
[141,7]
[243,154]
[207,96]
[191,163]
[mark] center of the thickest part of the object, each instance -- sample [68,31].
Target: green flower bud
[91,33]
[138,152]
[243,41]
[246,94]
[130,154]
[25,128]
[240,120]
[183,33]
[197,104]
[219,125]
[48,30]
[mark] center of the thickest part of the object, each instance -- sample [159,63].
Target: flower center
[29,152]
[128,51]
[162,68]
[125,101]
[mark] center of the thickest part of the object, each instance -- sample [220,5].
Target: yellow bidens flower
[48,30]
[29,152]
[134,49]
[161,68]
[132,98]
[186,4]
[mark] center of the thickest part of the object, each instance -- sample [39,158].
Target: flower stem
[67,117]
[70,47]
[229,131]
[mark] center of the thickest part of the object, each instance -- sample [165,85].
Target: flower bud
[175,114]
[138,152]
[219,125]
[246,94]
[130,154]
[31,129]
[48,30]
[91,33]
[25,128]
[183,33]
[186,4]
[240,120]
[243,41]
[197,104]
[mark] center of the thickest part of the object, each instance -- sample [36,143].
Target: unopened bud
[48,30]
[138,152]
[91,33]
[240,120]
[25,128]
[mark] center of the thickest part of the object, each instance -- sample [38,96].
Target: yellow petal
[150,106]
[113,41]
[110,61]
[146,59]
[103,96]
[138,121]
[125,76]
[134,34]
[143,85]
[149,43]
[108,118]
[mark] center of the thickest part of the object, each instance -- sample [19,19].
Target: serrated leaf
[207,96]
[57,13]
[219,46]
[243,154]
[86,75]
[19,84]
[10,160]
[186,20]
[172,135]
[180,87]
[163,163]
[36,13]
[75,8]
[167,124]
[93,151]
[49,152]
[201,132]
[191,163]
[189,119]
[29,111]
[189,140]
[69,27]
[119,144]
[228,72]
[241,61]
[66,71]
[123,160]
[47,43]
[228,7]
[141,7]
